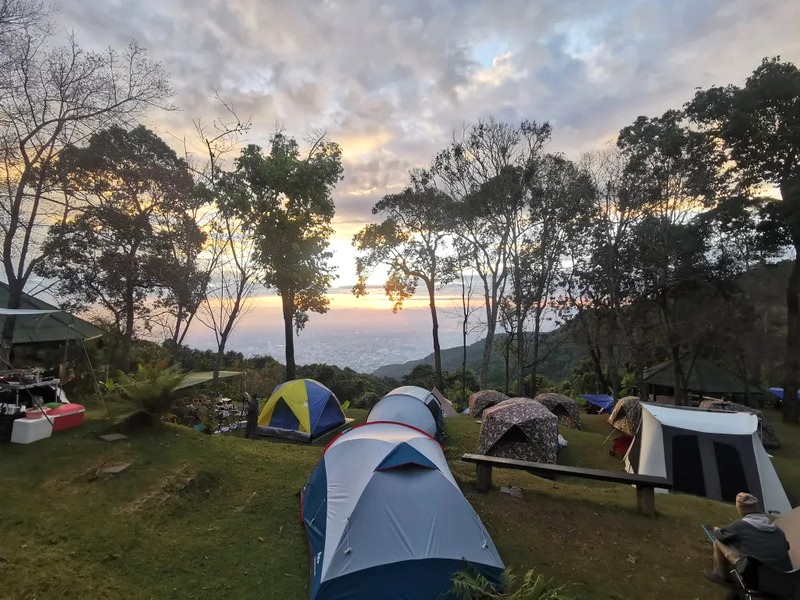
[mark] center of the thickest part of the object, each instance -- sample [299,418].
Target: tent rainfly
[564,407]
[300,409]
[519,428]
[480,401]
[403,409]
[448,410]
[778,392]
[765,429]
[603,402]
[43,322]
[627,415]
[711,454]
[386,519]
[427,399]
[201,377]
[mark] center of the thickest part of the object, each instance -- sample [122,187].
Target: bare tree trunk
[492,306]
[790,192]
[464,356]
[791,368]
[678,376]
[287,300]
[520,366]
[506,364]
[124,357]
[613,369]
[639,368]
[537,329]
[437,350]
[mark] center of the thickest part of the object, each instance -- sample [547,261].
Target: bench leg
[483,475]
[646,500]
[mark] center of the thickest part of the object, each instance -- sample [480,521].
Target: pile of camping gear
[32,407]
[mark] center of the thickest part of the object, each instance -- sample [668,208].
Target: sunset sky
[391,81]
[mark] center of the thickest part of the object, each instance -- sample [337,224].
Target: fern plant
[471,585]
[150,387]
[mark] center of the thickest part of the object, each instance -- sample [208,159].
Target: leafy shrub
[628,385]
[366,400]
[150,387]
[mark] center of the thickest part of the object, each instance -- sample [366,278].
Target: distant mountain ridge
[557,366]
[764,285]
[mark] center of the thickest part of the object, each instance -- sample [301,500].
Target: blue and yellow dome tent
[301,409]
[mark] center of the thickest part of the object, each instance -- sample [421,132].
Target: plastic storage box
[30,430]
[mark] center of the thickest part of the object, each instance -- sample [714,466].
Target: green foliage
[366,400]
[471,585]
[119,250]
[421,375]
[411,242]
[284,200]
[150,386]
[628,385]
[363,391]
[757,122]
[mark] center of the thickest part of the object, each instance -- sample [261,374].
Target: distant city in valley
[362,340]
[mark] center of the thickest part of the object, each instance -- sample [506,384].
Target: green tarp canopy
[47,324]
[702,376]
[199,377]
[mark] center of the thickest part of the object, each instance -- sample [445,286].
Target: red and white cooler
[66,416]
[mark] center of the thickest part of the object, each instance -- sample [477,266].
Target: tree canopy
[283,200]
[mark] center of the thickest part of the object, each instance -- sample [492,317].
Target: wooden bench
[645,484]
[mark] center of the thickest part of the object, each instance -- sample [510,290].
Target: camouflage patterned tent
[627,415]
[765,429]
[519,428]
[480,401]
[565,408]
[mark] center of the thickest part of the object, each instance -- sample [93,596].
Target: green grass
[200,516]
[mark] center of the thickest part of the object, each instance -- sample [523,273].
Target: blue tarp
[603,401]
[778,393]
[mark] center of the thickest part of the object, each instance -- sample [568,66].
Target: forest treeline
[639,245]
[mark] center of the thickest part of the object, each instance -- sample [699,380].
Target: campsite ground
[199,516]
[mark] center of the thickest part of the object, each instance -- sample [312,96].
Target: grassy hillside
[200,516]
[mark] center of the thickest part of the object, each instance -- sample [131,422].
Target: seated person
[753,536]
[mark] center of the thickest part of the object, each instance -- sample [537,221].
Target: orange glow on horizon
[376,300]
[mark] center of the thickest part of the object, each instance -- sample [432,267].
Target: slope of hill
[566,352]
[763,286]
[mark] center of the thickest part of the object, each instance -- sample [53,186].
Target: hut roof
[703,376]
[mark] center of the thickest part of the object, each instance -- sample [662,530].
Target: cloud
[390,81]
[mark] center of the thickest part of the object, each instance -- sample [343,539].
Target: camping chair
[760,582]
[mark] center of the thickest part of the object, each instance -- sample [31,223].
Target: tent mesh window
[730,463]
[687,465]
